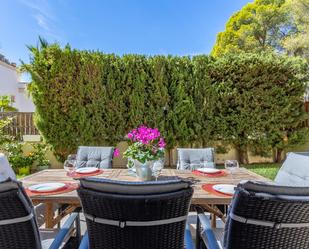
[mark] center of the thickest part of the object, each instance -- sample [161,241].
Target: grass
[20,176]
[268,170]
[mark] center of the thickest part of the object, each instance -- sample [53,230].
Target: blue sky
[178,27]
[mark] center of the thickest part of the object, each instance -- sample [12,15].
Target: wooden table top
[200,196]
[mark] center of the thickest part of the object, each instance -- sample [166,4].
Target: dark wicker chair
[135,215]
[262,216]
[18,225]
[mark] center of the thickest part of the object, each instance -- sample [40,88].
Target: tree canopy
[281,26]
[298,43]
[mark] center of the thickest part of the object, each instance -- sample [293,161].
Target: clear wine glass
[71,157]
[157,168]
[69,165]
[203,163]
[231,166]
[196,165]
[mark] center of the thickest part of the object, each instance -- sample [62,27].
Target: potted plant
[146,146]
[40,150]
[20,163]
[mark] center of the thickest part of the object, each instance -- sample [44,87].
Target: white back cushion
[190,157]
[295,170]
[6,170]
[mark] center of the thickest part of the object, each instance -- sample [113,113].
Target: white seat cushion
[6,170]
[295,170]
[188,158]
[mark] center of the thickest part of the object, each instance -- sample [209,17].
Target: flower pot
[24,170]
[144,170]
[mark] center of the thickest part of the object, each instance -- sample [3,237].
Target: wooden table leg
[214,211]
[49,215]
[213,218]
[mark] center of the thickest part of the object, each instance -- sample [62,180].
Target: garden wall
[171,158]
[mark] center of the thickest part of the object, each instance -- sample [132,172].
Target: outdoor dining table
[200,196]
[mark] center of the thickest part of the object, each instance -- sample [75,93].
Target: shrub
[92,98]
[259,101]
[16,157]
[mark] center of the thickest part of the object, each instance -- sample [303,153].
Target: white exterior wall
[10,85]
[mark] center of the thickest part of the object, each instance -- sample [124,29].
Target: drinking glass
[157,168]
[71,157]
[231,165]
[194,166]
[69,165]
[203,163]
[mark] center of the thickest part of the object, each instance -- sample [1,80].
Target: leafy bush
[91,98]
[16,157]
[39,154]
[6,104]
[259,101]
[4,138]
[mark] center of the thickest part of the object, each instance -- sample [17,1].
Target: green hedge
[92,98]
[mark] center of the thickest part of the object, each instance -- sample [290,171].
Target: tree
[258,26]
[91,98]
[298,43]
[259,101]
[5,104]
[3,136]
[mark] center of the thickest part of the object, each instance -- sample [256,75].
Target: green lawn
[268,170]
[20,176]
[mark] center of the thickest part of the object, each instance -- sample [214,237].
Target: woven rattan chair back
[18,228]
[137,207]
[265,216]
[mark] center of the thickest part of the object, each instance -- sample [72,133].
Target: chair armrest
[85,242]
[64,231]
[189,244]
[207,233]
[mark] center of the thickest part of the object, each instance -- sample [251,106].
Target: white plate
[86,170]
[225,188]
[47,187]
[208,170]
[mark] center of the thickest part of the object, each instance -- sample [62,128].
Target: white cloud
[43,15]
[42,21]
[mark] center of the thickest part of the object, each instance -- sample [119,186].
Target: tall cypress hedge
[91,98]
[259,101]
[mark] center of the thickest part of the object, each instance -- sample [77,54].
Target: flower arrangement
[145,144]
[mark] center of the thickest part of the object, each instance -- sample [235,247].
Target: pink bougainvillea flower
[145,144]
[161,143]
[116,152]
